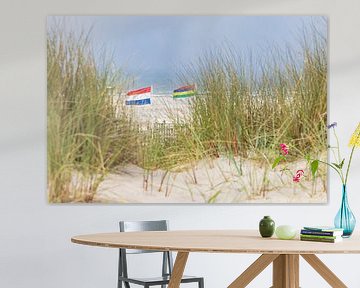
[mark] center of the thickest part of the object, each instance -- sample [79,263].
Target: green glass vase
[266,227]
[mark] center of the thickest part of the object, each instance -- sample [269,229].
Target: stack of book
[321,234]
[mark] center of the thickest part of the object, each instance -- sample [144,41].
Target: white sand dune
[216,181]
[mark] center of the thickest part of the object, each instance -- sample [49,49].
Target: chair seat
[158,280]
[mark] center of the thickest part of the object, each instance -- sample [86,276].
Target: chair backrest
[135,226]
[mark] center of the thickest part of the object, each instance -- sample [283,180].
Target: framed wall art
[186,109]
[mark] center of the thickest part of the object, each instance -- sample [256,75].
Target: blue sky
[152,48]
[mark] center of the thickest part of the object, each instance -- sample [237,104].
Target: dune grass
[86,135]
[246,105]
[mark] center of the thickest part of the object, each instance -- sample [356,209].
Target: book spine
[317,239]
[319,236]
[320,233]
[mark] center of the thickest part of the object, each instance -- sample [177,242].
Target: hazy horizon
[153,48]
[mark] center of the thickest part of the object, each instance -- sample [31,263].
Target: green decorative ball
[285,232]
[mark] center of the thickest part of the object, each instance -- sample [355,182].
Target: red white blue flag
[139,97]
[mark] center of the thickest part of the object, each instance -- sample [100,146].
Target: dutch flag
[139,97]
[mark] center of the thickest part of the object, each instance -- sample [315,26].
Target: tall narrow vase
[345,219]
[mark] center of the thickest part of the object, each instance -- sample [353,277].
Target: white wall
[35,248]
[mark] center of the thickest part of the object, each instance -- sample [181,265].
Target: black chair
[167,262]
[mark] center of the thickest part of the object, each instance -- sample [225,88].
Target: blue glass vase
[345,219]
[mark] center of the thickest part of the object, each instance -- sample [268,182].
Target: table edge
[204,250]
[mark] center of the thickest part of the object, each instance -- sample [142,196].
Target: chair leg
[201,283]
[119,270]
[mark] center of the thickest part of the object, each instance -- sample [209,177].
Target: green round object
[266,226]
[285,232]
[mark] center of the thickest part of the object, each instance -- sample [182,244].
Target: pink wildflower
[298,175]
[284,149]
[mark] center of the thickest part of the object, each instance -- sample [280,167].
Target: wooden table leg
[293,264]
[286,271]
[178,270]
[253,270]
[324,271]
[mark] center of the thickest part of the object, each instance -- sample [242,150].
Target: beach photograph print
[187,109]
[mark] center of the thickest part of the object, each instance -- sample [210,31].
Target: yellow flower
[355,138]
